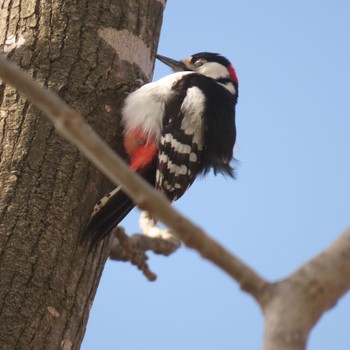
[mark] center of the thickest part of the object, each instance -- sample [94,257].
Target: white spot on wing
[173,168]
[183,170]
[104,200]
[163,158]
[176,145]
[193,157]
[193,108]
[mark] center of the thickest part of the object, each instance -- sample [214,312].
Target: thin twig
[123,249]
[160,246]
[133,249]
[74,128]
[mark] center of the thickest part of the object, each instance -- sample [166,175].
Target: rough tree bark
[91,53]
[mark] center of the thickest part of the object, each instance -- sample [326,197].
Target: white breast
[144,108]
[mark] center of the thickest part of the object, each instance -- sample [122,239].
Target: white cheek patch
[213,70]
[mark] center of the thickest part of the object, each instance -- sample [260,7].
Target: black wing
[198,134]
[107,214]
[112,209]
[181,142]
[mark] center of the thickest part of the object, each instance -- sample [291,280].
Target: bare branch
[327,276]
[297,303]
[74,128]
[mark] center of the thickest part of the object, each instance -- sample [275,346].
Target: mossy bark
[48,189]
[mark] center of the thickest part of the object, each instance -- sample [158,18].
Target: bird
[175,129]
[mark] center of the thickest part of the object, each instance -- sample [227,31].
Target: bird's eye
[198,63]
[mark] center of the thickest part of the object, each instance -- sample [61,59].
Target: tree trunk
[91,53]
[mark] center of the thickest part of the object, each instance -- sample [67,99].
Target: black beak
[177,66]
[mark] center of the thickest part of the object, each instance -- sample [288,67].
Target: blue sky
[291,196]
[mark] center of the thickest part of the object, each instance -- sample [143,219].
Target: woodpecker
[175,129]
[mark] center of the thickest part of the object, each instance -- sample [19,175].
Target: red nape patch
[233,74]
[140,149]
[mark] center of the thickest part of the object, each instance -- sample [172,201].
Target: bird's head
[209,64]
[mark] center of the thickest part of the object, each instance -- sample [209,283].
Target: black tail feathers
[114,208]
